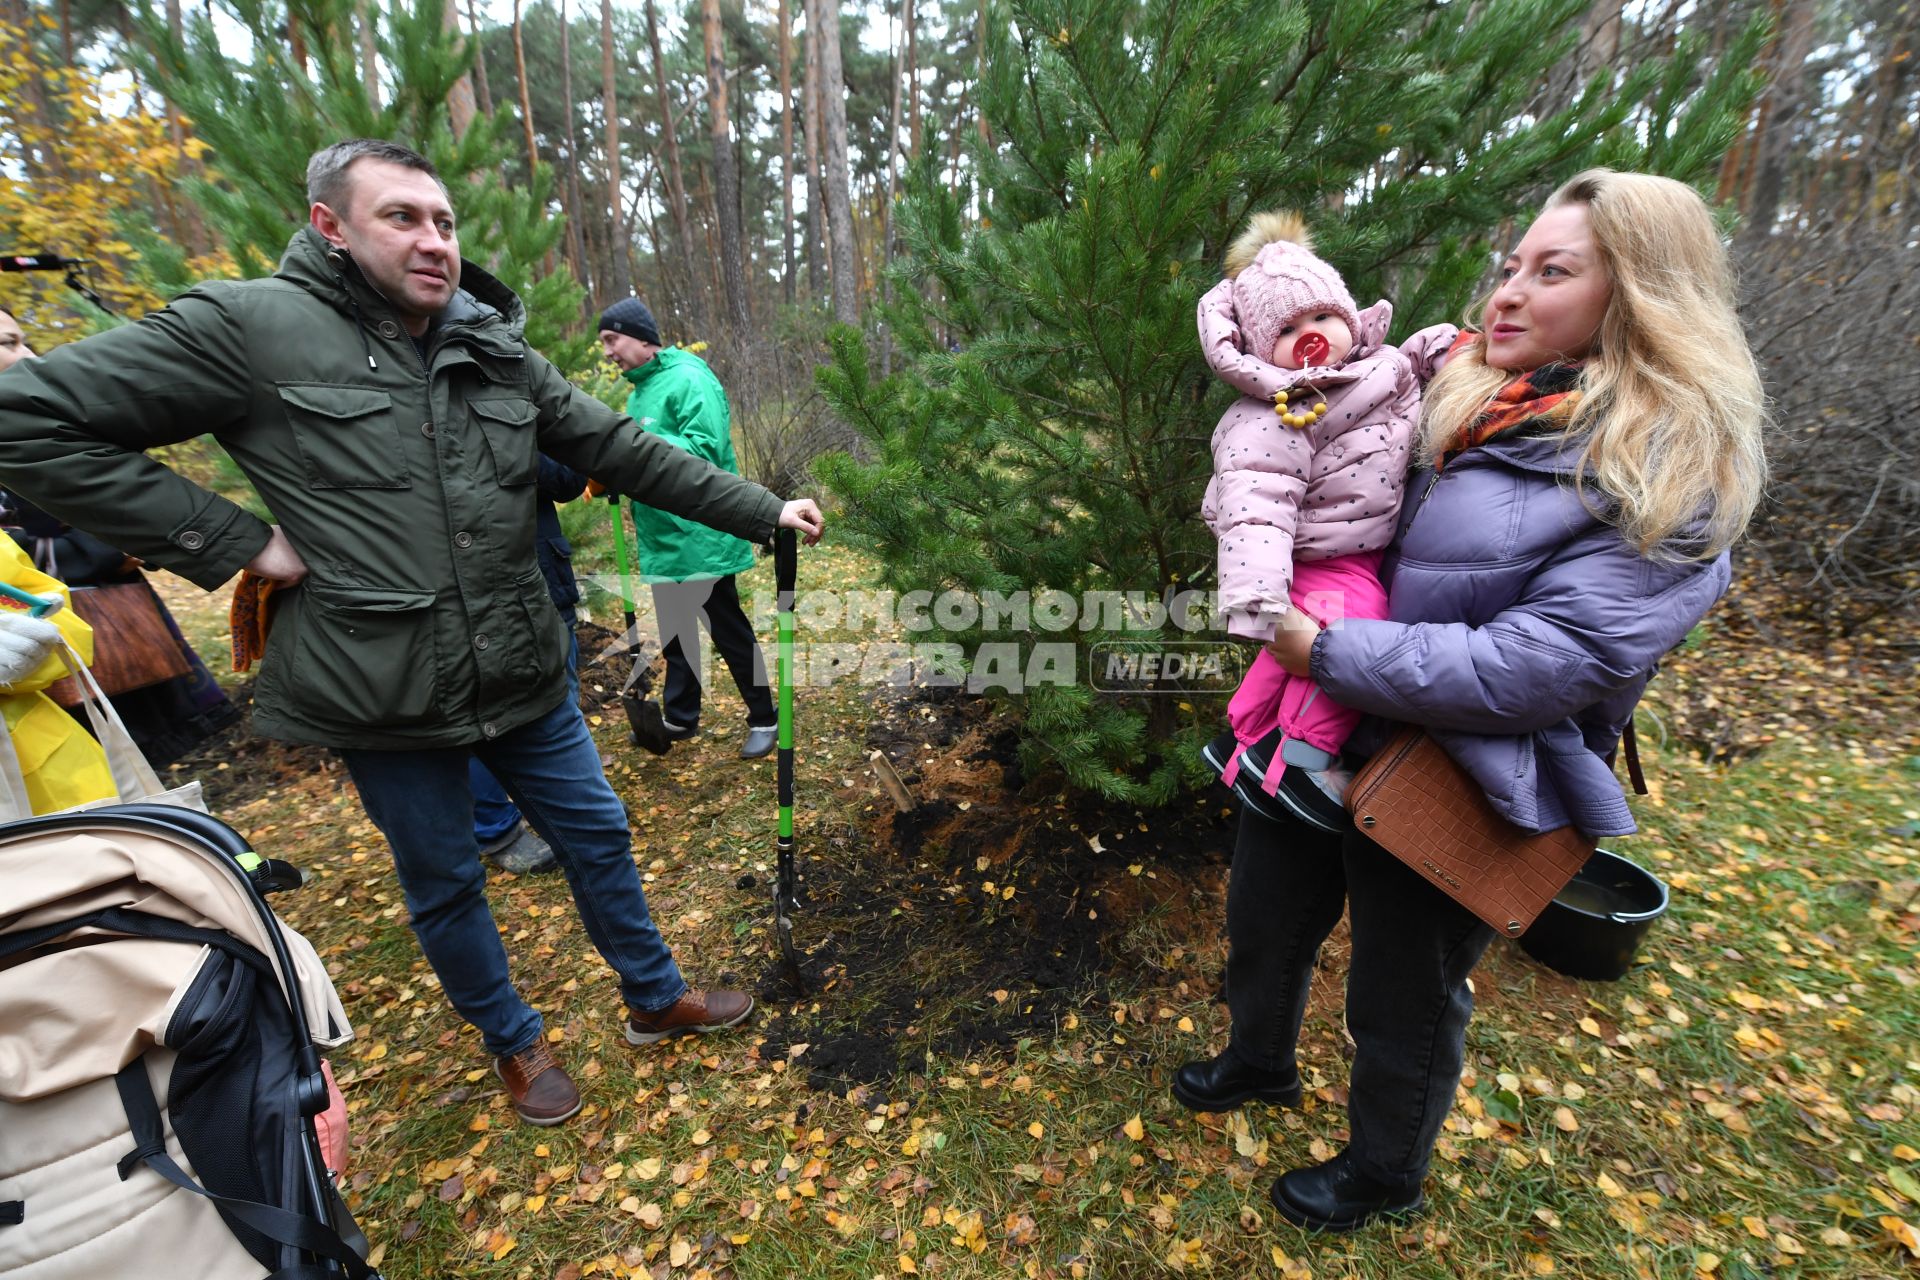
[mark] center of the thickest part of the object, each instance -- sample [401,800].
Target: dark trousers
[681,607]
[1407,997]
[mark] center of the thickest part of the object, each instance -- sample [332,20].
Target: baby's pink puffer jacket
[1281,494]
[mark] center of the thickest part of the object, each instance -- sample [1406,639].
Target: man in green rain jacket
[379,394]
[690,566]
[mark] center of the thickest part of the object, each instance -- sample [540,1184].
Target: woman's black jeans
[1407,997]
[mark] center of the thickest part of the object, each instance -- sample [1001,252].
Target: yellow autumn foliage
[77,160]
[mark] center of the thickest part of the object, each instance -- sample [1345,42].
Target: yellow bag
[61,765]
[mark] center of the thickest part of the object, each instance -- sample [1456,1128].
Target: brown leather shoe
[543,1092]
[694,1013]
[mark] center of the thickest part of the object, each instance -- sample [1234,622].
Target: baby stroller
[159,1064]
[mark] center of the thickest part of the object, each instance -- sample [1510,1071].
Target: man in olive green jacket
[379,394]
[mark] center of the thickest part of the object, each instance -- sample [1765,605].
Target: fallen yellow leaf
[1134,1129]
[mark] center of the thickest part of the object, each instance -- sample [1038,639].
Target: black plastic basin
[1592,927]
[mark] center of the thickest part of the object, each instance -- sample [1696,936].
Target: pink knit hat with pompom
[1283,281]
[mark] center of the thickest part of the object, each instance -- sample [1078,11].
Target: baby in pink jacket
[1308,469]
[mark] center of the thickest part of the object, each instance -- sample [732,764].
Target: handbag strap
[133,777]
[15,804]
[1630,748]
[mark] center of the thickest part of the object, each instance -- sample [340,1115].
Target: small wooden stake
[883,769]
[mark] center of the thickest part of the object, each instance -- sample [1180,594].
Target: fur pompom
[1262,230]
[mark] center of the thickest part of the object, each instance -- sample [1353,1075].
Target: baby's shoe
[1246,785]
[1311,787]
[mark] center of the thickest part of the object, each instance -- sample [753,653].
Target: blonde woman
[1586,459]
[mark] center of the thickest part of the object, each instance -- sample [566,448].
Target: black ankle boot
[1224,1082]
[1336,1196]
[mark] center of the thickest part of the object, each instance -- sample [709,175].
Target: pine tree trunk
[913,83]
[481,87]
[460,100]
[810,127]
[710,219]
[576,206]
[1888,136]
[1775,141]
[158,195]
[622,278]
[33,96]
[66,33]
[980,40]
[676,180]
[786,150]
[526,109]
[833,128]
[191,230]
[886,212]
[726,176]
[370,52]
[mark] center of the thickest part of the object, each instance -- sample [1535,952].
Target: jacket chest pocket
[511,439]
[346,436]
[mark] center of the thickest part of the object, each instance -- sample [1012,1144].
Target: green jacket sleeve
[615,450]
[74,426]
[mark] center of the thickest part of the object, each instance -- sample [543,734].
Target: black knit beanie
[631,317]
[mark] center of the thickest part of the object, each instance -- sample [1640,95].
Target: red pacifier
[1312,348]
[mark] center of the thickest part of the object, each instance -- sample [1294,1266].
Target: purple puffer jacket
[1522,630]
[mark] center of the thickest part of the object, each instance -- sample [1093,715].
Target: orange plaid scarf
[1542,399]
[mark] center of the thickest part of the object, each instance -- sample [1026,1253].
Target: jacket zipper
[1424,495]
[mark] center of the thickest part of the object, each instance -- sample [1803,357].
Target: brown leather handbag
[1417,804]
[133,646]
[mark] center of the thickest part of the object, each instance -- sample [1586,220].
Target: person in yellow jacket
[61,763]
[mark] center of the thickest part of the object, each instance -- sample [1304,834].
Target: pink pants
[1327,591]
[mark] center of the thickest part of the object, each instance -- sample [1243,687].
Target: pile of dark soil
[986,913]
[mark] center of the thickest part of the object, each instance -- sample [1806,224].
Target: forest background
[1012,209]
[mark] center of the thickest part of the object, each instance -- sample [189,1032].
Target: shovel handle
[786,565]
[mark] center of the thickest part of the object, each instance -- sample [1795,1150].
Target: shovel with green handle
[785,570]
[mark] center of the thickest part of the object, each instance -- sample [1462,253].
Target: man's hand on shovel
[803,515]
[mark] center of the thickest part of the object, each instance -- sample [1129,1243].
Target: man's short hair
[327,179]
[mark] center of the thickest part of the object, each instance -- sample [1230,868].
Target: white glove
[25,643]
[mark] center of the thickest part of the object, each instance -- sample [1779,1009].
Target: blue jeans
[494,814]
[421,802]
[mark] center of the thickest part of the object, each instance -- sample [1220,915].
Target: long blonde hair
[1671,406]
